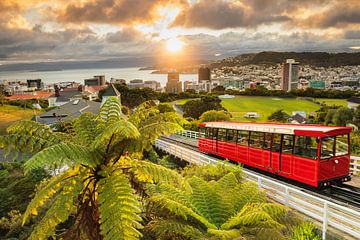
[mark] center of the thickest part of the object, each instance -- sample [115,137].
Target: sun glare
[174,45]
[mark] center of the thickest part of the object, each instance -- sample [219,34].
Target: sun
[174,45]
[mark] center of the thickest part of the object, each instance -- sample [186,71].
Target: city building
[204,74]
[289,75]
[136,83]
[64,95]
[95,81]
[318,84]
[35,83]
[118,81]
[110,91]
[68,111]
[173,84]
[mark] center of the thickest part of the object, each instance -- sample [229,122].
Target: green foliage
[343,116]
[221,207]
[165,107]
[215,116]
[195,108]
[211,172]
[330,116]
[120,220]
[17,189]
[98,194]
[278,116]
[305,231]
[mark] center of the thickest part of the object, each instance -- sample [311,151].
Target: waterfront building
[35,83]
[173,84]
[289,76]
[95,81]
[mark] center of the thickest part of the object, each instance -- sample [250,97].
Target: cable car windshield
[334,146]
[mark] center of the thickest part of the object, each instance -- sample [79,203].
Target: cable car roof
[294,129]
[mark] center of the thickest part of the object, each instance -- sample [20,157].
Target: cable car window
[202,132]
[276,143]
[327,147]
[214,133]
[287,144]
[306,147]
[208,132]
[222,134]
[341,146]
[267,141]
[243,138]
[256,139]
[231,135]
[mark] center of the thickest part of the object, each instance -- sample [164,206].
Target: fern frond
[173,229]
[226,234]
[85,128]
[247,192]
[114,133]
[29,127]
[257,215]
[46,191]
[23,143]
[179,209]
[59,211]
[110,112]
[119,209]
[62,154]
[149,172]
[209,202]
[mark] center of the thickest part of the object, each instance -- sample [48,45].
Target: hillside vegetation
[319,59]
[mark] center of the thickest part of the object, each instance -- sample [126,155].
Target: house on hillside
[64,96]
[353,102]
[110,91]
[297,119]
[67,111]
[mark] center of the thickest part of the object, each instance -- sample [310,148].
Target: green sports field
[10,114]
[240,105]
[330,101]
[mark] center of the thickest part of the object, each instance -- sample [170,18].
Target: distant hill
[319,59]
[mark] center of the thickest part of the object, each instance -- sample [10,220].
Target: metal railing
[354,161]
[327,213]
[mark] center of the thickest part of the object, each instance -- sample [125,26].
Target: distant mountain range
[319,59]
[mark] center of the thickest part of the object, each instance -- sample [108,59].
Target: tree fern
[47,190]
[85,128]
[59,211]
[119,209]
[62,154]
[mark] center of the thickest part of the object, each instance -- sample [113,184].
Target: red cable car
[312,154]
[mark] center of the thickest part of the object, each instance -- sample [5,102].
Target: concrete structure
[353,102]
[136,83]
[35,83]
[289,75]
[63,96]
[95,81]
[173,84]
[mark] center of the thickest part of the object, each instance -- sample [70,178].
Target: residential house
[110,91]
[353,102]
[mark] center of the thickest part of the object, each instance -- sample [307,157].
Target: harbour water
[78,75]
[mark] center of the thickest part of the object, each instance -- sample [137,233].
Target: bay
[78,75]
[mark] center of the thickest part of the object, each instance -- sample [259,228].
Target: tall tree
[100,190]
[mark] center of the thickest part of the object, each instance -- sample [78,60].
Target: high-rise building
[95,81]
[204,74]
[290,75]
[35,83]
[173,84]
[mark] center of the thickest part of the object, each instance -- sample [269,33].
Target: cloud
[220,14]
[352,34]
[113,11]
[125,35]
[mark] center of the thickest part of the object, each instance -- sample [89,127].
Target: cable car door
[214,140]
[275,152]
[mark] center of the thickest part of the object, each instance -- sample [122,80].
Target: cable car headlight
[336,161]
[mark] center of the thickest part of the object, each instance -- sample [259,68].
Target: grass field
[337,102]
[10,114]
[240,105]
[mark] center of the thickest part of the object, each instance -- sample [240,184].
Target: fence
[354,161]
[329,214]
